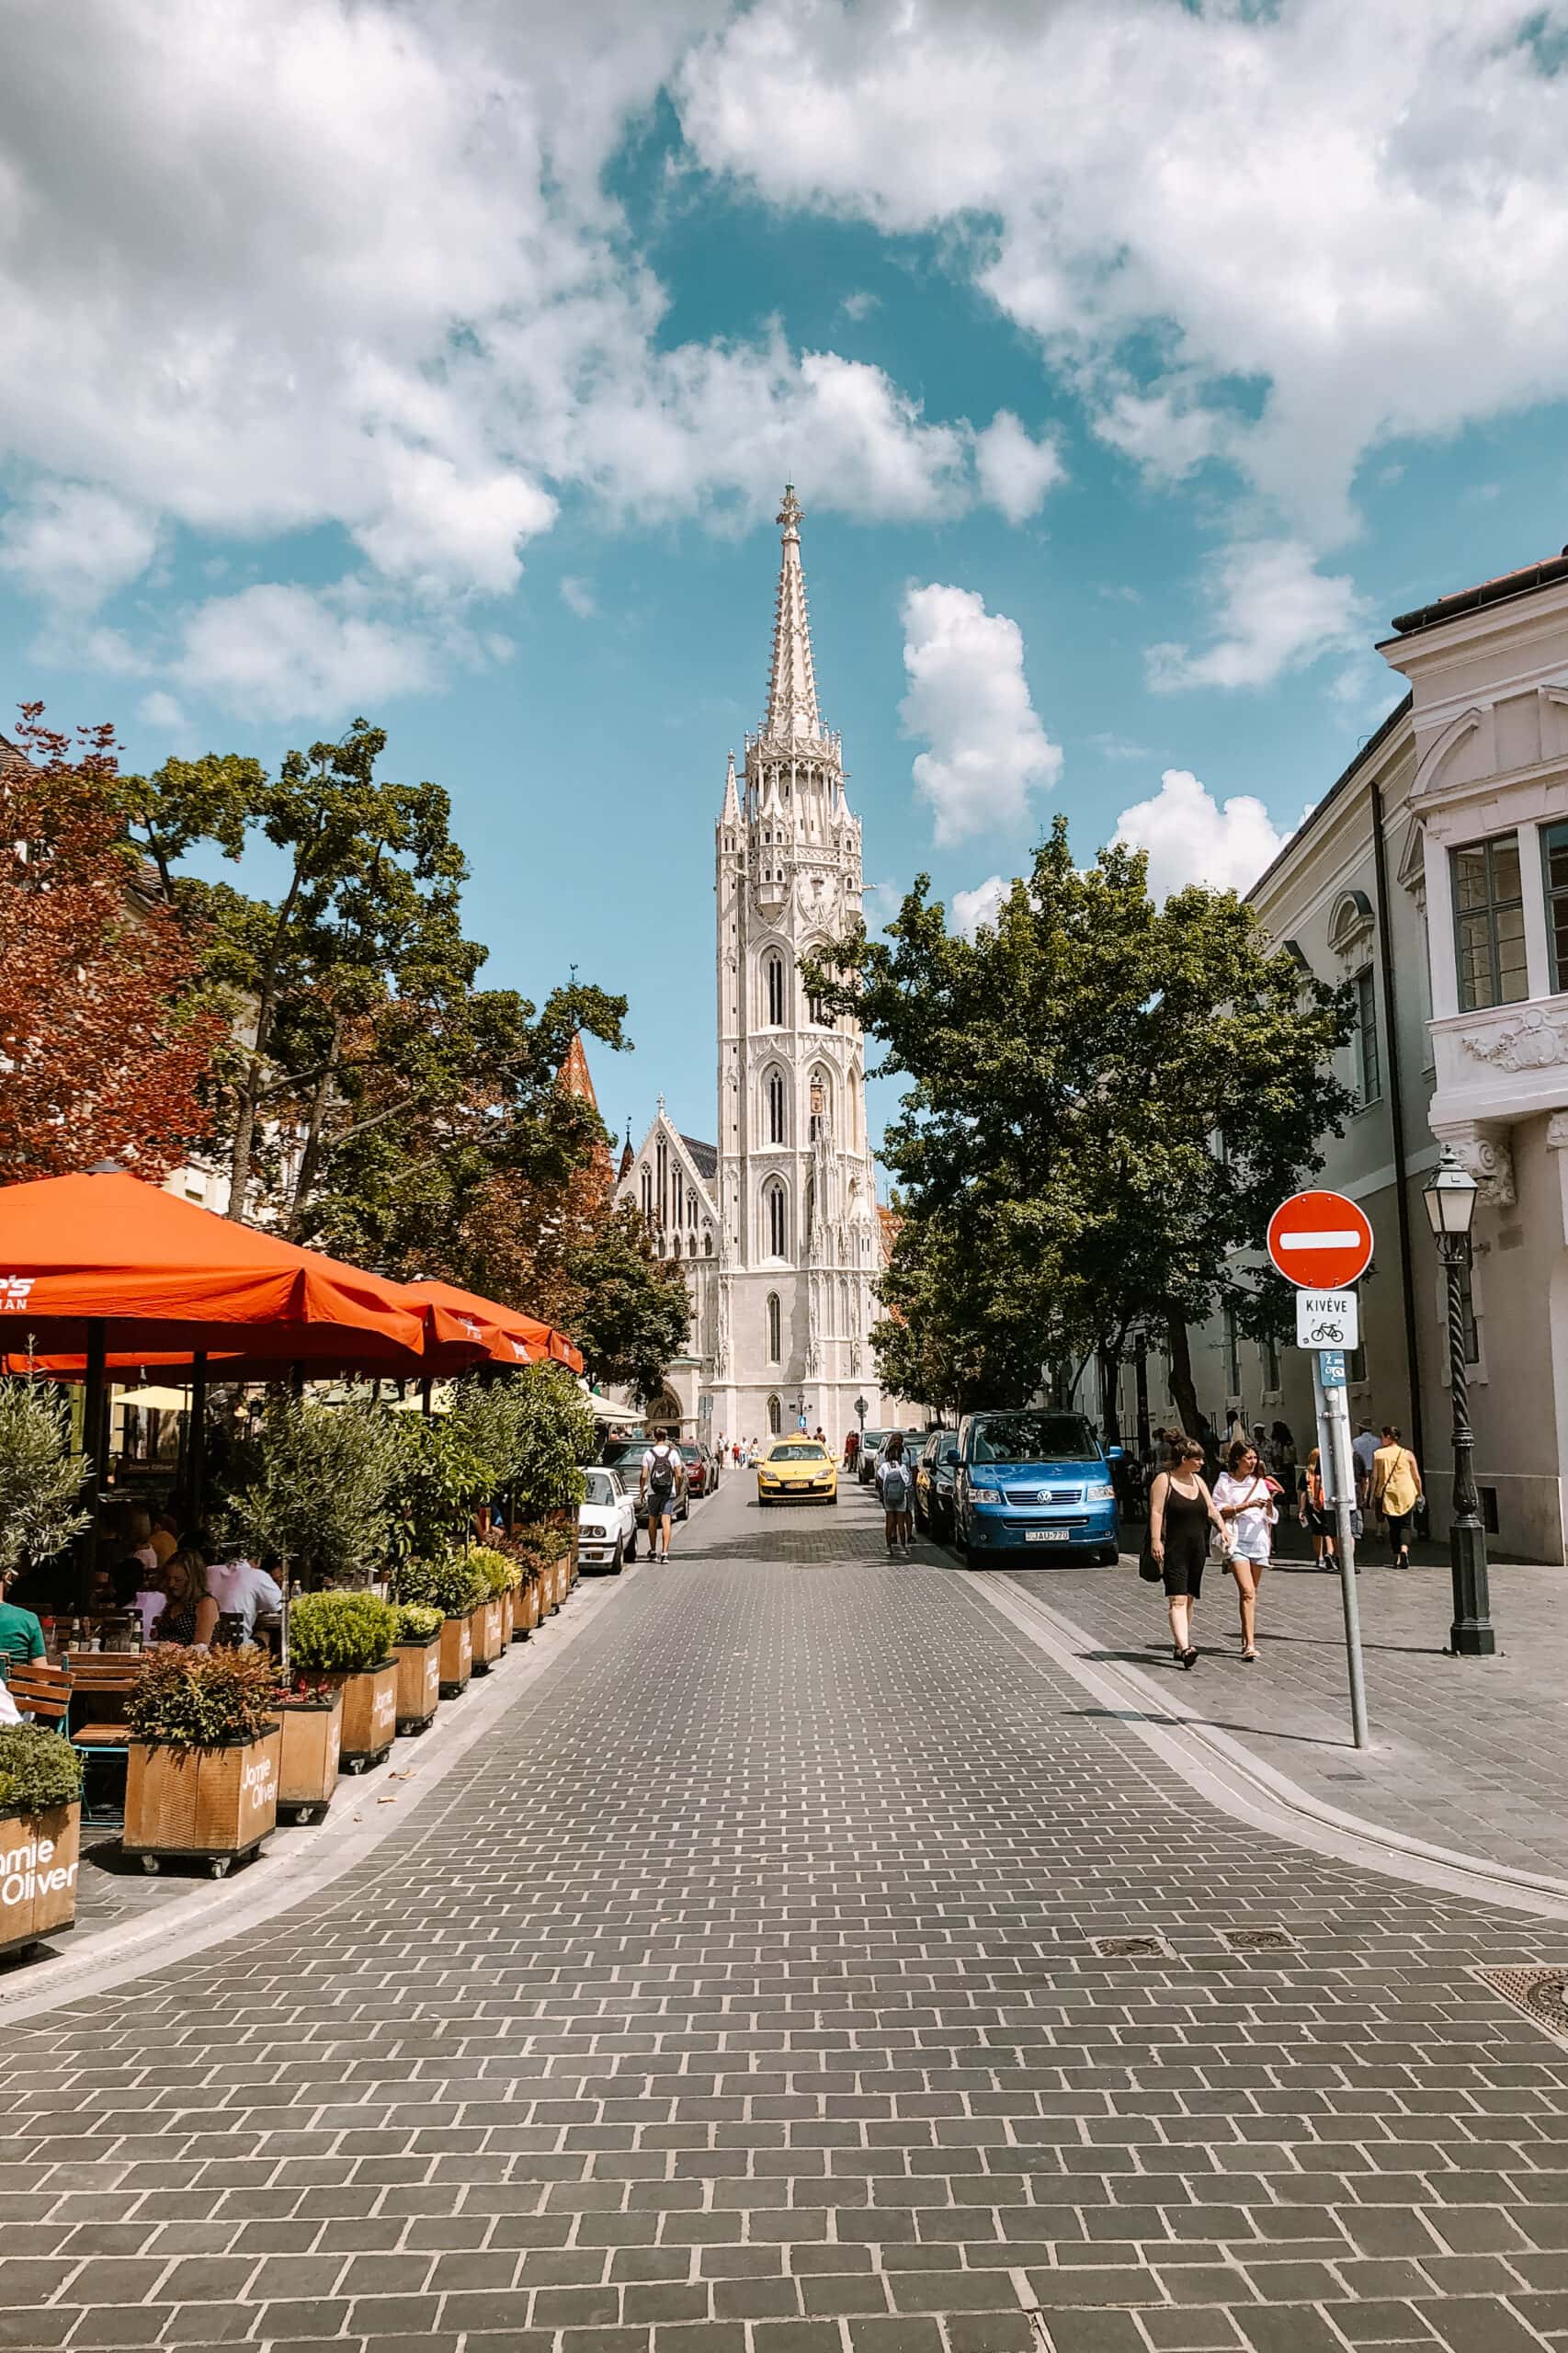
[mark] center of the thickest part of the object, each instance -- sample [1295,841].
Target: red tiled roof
[1487,592]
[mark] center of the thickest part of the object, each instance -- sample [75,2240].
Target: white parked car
[607,1522]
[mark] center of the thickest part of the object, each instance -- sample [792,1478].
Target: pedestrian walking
[1364,1446]
[851,1450]
[1314,1513]
[1396,1490]
[1281,1456]
[1244,1496]
[664,1475]
[896,1487]
[1181,1514]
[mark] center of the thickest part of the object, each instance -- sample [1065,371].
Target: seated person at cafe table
[21,1636]
[243,1590]
[189,1614]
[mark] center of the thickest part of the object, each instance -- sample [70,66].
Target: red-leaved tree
[104,1042]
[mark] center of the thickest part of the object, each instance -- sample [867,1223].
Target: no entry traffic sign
[1320,1240]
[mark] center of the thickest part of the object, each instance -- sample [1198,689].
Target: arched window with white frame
[775,1329]
[776,1101]
[773,985]
[775,1218]
[775,1417]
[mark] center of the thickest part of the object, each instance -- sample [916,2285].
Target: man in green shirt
[21,1636]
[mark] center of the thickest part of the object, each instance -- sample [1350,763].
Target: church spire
[731,812]
[792,713]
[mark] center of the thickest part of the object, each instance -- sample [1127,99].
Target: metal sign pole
[1340,1488]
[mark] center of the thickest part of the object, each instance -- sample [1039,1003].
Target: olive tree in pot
[556,1435]
[320,1494]
[201,1773]
[40,1828]
[346,1640]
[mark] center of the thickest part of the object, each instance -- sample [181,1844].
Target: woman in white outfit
[1244,1497]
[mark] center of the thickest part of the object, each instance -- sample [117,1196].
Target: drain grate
[1259,1939]
[1145,1947]
[1542,1993]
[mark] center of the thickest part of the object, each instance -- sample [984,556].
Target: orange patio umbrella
[511,1338]
[106,1259]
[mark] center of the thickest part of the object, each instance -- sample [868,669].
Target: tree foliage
[1107,1101]
[559,1433]
[319,1485]
[41,1482]
[105,1044]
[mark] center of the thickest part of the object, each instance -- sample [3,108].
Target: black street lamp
[1449,1196]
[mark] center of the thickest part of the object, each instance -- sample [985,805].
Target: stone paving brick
[778,2026]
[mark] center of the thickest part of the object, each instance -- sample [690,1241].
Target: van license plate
[1045,1534]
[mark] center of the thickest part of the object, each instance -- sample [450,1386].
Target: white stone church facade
[776,1225]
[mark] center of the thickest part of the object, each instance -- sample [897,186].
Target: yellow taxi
[796,1470]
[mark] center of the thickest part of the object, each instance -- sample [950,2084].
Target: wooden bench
[39,1691]
[95,1726]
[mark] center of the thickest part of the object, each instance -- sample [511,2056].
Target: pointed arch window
[775,1417]
[775,1099]
[775,1329]
[775,1220]
[773,984]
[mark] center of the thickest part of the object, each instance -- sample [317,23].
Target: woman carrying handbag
[1181,1514]
[1244,1496]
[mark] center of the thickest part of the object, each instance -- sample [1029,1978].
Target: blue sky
[1134,362]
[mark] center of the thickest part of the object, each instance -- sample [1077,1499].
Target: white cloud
[1275,612]
[1111,746]
[274,270]
[1014,472]
[577,596]
[1189,838]
[969,697]
[277,652]
[74,546]
[859,305]
[161,710]
[1278,235]
[982,904]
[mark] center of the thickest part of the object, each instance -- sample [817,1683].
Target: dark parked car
[933,1483]
[701,1477]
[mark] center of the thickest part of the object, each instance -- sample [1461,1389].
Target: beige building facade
[1433,877]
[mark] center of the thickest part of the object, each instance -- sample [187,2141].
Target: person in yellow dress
[1396,1488]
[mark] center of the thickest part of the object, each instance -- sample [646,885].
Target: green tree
[1108,1099]
[319,1487]
[41,1482]
[558,1433]
[632,1312]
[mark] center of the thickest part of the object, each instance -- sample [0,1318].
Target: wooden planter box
[216,1803]
[523,1613]
[307,1768]
[38,1854]
[508,1616]
[486,1635]
[370,1714]
[456,1654]
[418,1683]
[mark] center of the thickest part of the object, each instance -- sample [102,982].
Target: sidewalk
[1466,1753]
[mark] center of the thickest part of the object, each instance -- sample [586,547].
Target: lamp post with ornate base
[1449,1196]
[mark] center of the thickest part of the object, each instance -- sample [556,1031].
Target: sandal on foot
[1190,1660]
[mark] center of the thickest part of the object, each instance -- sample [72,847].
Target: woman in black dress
[1181,1513]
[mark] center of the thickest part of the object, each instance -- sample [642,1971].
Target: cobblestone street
[747,1991]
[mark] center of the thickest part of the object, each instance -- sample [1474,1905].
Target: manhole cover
[1542,1993]
[1259,1939]
[1146,1946]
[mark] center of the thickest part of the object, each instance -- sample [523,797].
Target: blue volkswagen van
[1032,1480]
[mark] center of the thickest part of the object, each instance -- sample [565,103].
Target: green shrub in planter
[500,1574]
[37,1769]
[187,1699]
[416,1621]
[341,1634]
[453,1585]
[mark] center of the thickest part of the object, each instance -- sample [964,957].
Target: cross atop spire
[792,713]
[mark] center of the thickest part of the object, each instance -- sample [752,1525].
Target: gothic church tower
[800,1242]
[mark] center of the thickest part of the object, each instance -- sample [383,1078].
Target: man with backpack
[664,1476]
[895,1483]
